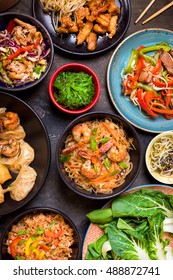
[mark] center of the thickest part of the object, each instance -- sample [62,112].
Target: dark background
[54,192]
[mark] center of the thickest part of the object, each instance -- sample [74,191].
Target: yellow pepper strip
[28,244]
[35,243]
[39,254]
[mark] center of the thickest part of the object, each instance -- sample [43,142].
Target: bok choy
[134,227]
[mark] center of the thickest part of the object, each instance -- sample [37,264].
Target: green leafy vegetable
[74,90]
[134,227]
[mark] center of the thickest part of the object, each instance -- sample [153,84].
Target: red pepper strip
[132,80]
[11,26]
[44,247]
[150,97]
[142,103]
[49,233]
[24,49]
[157,67]
[159,83]
[162,111]
[13,245]
[167,103]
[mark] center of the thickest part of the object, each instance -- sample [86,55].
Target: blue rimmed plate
[119,61]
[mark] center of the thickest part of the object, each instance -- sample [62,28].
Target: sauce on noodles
[96,155]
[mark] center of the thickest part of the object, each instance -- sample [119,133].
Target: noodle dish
[97,155]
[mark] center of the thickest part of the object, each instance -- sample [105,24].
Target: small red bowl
[76,67]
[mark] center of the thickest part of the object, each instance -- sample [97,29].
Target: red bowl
[76,67]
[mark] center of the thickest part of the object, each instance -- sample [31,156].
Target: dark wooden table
[54,192]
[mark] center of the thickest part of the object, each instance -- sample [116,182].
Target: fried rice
[41,236]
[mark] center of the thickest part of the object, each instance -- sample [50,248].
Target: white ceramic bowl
[156,174]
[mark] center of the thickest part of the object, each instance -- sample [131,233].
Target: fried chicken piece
[84,32]
[67,25]
[99,29]
[96,7]
[112,8]
[112,28]
[80,15]
[104,19]
[91,41]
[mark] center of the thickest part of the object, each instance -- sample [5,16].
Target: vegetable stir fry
[148,80]
[134,228]
[74,90]
[23,53]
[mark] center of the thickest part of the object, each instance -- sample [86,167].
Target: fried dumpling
[1,195]
[18,133]
[23,184]
[25,157]
[4,174]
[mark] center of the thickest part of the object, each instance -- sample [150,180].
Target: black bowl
[66,43]
[36,133]
[135,155]
[4,21]
[3,247]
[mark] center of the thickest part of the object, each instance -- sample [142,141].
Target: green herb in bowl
[74,90]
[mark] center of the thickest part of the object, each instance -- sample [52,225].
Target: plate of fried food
[23,165]
[84,28]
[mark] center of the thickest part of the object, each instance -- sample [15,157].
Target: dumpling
[4,173]
[25,158]
[1,194]
[18,133]
[23,184]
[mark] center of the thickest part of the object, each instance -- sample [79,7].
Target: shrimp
[91,168]
[10,120]
[81,133]
[9,148]
[117,153]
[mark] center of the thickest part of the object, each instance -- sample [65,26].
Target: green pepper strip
[132,62]
[150,59]
[145,87]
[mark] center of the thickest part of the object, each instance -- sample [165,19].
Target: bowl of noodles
[98,155]
[159,157]
[40,234]
[27,52]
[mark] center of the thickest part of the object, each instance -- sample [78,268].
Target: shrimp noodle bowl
[97,155]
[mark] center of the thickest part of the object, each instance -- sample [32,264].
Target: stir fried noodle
[96,155]
[162,156]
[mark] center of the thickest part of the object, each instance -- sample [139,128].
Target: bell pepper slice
[11,26]
[44,247]
[132,62]
[157,67]
[49,233]
[13,245]
[159,83]
[142,103]
[23,49]
[158,47]
[151,97]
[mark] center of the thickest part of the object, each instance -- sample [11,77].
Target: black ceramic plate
[35,134]
[75,247]
[135,155]
[67,43]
